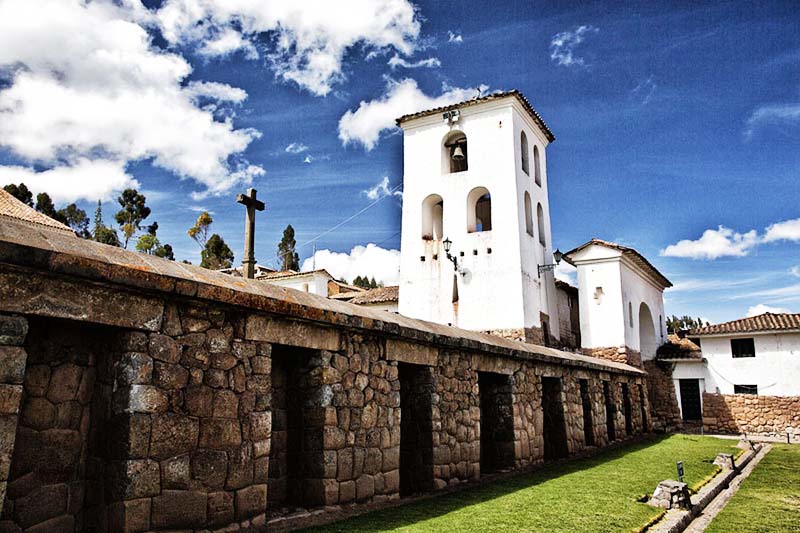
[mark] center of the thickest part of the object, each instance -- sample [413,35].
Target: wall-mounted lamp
[557,255]
[447,243]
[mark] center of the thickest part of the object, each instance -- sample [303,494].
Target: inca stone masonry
[142,394]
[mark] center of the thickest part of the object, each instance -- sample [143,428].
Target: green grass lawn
[768,500]
[587,495]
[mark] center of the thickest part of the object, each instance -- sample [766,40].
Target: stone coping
[40,249]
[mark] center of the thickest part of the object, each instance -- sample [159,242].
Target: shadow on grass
[413,512]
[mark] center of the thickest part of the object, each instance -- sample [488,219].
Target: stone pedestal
[671,494]
[726,461]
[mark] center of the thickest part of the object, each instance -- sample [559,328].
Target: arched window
[523,147]
[479,210]
[540,224]
[528,214]
[537,173]
[432,217]
[454,152]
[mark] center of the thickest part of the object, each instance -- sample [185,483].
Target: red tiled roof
[765,322]
[631,253]
[13,208]
[488,98]
[678,348]
[281,274]
[372,296]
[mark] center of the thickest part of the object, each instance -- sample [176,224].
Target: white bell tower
[475,181]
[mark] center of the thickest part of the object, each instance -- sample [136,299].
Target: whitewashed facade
[498,287]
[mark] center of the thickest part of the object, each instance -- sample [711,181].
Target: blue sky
[672,124]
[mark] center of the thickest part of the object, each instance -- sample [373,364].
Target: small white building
[475,176]
[621,302]
[758,355]
[318,282]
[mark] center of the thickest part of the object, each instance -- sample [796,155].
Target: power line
[343,222]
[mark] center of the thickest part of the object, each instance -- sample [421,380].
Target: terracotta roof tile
[678,348]
[13,208]
[488,98]
[765,322]
[375,296]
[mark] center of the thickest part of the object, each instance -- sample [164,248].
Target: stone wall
[666,415]
[618,354]
[754,415]
[169,401]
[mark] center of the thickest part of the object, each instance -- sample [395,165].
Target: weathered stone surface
[65,380]
[164,348]
[240,468]
[10,398]
[12,367]
[140,399]
[42,504]
[172,435]
[169,376]
[199,400]
[226,404]
[251,501]
[13,330]
[220,509]
[138,478]
[134,368]
[60,524]
[279,331]
[409,352]
[176,473]
[178,509]
[210,467]
[220,433]
[130,516]
[37,379]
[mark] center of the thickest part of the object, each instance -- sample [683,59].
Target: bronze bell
[458,153]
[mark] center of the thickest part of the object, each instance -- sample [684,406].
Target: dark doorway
[643,407]
[296,452]
[555,428]
[497,422]
[690,399]
[611,412]
[628,409]
[586,402]
[416,429]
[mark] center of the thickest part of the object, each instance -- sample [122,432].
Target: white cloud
[397,61]
[365,124]
[772,115]
[788,293]
[760,309]
[85,180]
[713,244]
[795,271]
[382,189]
[562,46]
[788,230]
[566,273]
[308,160]
[454,38]
[87,91]
[370,260]
[296,148]
[645,90]
[306,41]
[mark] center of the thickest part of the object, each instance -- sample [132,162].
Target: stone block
[134,368]
[170,377]
[176,473]
[365,487]
[251,501]
[10,398]
[670,494]
[240,468]
[210,467]
[12,364]
[172,435]
[13,330]
[68,415]
[391,459]
[130,516]
[40,505]
[140,399]
[37,378]
[391,482]
[220,433]
[226,404]
[261,469]
[220,509]
[344,463]
[290,332]
[138,478]
[199,400]
[179,509]
[373,461]
[260,365]
[60,524]
[260,425]
[164,348]
[347,491]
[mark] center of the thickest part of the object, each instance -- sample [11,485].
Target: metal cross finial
[252,204]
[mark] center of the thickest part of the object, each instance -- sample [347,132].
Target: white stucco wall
[613,317]
[313,282]
[501,289]
[775,368]
[390,307]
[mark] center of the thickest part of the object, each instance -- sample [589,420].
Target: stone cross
[249,261]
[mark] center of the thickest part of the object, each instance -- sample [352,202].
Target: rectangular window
[745,389]
[743,348]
